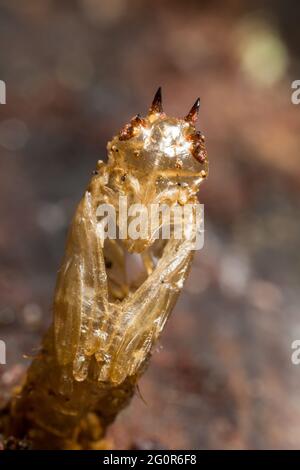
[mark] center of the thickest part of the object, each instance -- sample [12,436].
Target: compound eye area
[131,129]
[198,149]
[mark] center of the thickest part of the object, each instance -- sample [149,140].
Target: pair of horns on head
[156,107]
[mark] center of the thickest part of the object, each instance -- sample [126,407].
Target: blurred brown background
[76,71]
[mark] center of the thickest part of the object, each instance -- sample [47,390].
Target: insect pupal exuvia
[105,325]
[106,321]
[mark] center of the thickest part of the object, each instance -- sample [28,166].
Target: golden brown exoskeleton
[105,321]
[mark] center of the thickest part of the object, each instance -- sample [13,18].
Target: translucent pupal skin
[106,321]
[99,314]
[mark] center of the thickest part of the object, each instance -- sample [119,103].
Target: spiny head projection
[157,159]
[163,145]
